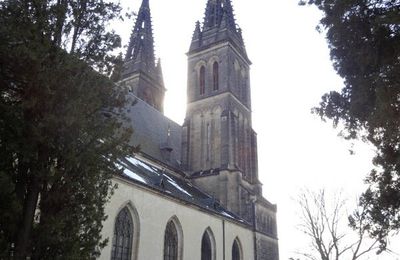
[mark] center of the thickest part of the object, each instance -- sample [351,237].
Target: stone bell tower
[219,144]
[218,137]
[140,73]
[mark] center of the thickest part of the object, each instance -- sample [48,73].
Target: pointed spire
[145,3]
[141,45]
[219,25]
[140,71]
[217,12]
[229,17]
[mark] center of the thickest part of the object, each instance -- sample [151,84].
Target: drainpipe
[223,239]
[253,201]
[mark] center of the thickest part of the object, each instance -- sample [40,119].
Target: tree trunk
[25,229]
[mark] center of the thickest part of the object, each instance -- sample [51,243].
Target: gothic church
[192,192]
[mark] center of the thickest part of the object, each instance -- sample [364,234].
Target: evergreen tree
[61,126]
[364,42]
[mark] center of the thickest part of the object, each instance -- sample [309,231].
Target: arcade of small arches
[125,239]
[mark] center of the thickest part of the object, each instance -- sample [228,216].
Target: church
[192,192]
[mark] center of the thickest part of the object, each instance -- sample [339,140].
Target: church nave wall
[153,211]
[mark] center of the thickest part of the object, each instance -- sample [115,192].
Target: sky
[290,71]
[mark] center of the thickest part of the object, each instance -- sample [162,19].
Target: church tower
[219,145]
[140,74]
[218,137]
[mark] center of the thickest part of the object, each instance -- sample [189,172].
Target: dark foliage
[61,128]
[364,42]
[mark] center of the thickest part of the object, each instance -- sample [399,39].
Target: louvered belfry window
[123,236]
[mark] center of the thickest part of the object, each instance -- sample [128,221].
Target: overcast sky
[291,71]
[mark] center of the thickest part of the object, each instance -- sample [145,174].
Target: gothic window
[236,255]
[208,245]
[215,76]
[206,249]
[171,242]
[202,80]
[123,236]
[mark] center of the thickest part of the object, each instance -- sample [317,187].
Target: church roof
[145,174]
[158,136]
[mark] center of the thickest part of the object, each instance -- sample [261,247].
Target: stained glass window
[171,242]
[123,236]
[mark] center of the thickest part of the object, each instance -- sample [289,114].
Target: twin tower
[218,145]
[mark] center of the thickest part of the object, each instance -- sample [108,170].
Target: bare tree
[332,234]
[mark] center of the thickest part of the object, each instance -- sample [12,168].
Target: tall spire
[219,25]
[141,46]
[140,73]
[219,12]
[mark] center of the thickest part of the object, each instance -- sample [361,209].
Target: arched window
[123,235]
[215,76]
[206,247]
[171,242]
[236,254]
[202,80]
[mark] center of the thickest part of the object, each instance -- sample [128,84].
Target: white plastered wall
[155,210]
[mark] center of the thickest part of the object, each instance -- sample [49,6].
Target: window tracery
[171,242]
[123,236]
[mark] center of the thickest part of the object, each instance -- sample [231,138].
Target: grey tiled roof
[158,136]
[160,140]
[155,178]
